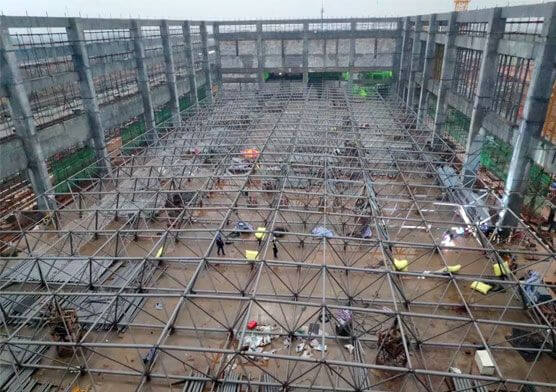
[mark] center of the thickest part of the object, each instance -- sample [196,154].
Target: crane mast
[461,5]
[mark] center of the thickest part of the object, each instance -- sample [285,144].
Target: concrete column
[22,117]
[190,62]
[170,73]
[282,54]
[206,62]
[534,114]
[88,93]
[483,97]
[305,53]
[415,59]
[351,59]
[396,61]
[427,66]
[216,35]
[143,81]
[260,54]
[446,77]
[403,60]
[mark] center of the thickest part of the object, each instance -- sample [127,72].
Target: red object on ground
[251,325]
[250,153]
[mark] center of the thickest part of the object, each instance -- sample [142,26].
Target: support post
[88,93]
[170,73]
[483,97]
[190,62]
[305,54]
[206,62]
[260,54]
[446,77]
[415,60]
[534,114]
[397,60]
[403,60]
[427,66]
[351,59]
[143,81]
[216,35]
[22,117]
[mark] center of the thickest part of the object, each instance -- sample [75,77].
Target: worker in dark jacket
[220,244]
[274,248]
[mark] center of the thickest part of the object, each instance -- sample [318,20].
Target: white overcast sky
[236,9]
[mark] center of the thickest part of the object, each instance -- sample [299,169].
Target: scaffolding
[332,210]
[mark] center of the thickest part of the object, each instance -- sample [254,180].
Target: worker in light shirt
[448,239]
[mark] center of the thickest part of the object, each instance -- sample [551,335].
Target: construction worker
[274,248]
[220,244]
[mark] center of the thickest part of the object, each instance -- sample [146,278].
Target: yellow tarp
[451,268]
[260,234]
[481,287]
[505,270]
[251,255]
[401,265]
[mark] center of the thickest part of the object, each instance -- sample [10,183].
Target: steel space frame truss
[134,254]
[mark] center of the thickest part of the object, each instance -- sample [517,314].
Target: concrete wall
[328,46]
[51,76]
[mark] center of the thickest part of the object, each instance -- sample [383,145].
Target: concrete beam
[447,75]
[483,98]
[81,65]
[206,63]
[427,67]
[22,118]
[170,72]
[534,114]
[315,34]
[253,71]
[143,80]
[415,60]
[190,61]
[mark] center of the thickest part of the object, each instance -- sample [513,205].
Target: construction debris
[390,347]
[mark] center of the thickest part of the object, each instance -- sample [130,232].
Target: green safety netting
[346,75]
[162,115]
[266,75]
[201,94]
[184,103]
[495,156]
[376,75]
[131,132]
[537,188]
[457,126]
[64,168]
[79,161]
[431,107]
[369,83]
[318,76]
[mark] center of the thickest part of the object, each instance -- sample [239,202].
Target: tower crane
[461,5]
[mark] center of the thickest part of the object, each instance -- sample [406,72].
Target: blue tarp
[320,231]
